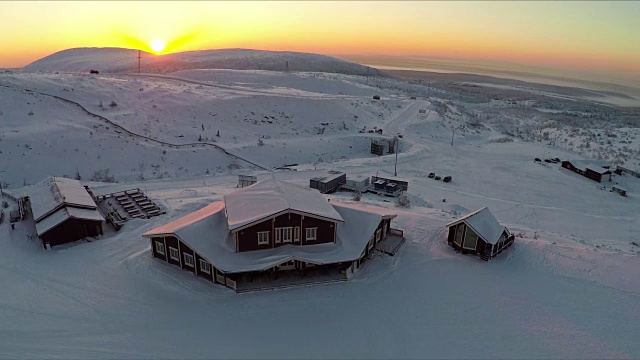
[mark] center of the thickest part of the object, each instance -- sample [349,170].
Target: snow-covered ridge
[119,60]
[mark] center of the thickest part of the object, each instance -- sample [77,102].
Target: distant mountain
[119,60]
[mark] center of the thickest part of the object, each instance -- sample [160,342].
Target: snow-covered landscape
[568,288]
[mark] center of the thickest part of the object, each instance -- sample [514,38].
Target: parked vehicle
[432,175]
[446,179]
[437,178]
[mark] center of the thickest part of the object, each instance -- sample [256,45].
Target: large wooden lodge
[591,169]
[271,231]
[479,233]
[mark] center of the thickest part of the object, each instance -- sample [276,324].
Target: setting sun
[158,45]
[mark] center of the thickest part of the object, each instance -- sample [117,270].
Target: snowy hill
[118,60]
[568,288]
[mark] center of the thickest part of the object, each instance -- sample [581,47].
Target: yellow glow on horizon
[158,46]
[598,36]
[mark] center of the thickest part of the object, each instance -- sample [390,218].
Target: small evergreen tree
[78,177]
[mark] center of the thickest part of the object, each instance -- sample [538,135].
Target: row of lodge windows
[284,235]
[188,258]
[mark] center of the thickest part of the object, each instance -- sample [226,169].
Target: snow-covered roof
[358,178]
[328,178]
[174,226]
[593,165]
[268,197]
[483,223]
[54,192]
[206,231]
[63,214]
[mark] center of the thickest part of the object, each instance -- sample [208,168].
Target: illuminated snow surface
[568,288]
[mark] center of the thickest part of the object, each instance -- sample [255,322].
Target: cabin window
[459,233]
[470,240]
[173,253]
[188,259]
[311,234]
[296,234]
[284,234]
[263,238]
[205,267]
[159,247]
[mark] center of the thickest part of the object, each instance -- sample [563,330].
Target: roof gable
[483,223]
[270,197]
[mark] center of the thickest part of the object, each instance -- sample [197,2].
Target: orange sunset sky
[600,37]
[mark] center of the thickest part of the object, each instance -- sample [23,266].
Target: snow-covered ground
[568,288]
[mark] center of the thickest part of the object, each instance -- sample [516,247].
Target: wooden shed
[64,211]
[479,233]
[591,169]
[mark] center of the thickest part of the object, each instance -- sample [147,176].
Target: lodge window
[459,232]
[159,247]
[283,235]
[173,253]
[263,238]
[188,259]
[470,240]
[311,233]
[205,266]
[296,234]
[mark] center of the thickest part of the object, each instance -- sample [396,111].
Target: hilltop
[119,60]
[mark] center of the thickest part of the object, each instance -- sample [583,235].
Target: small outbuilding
[479,233]
[389,185]
[357,183]
[63,211]
[329,183]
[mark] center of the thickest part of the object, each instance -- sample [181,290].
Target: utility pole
[367,82]
[395,166]
[1,192]
[139,56]
[453,131]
